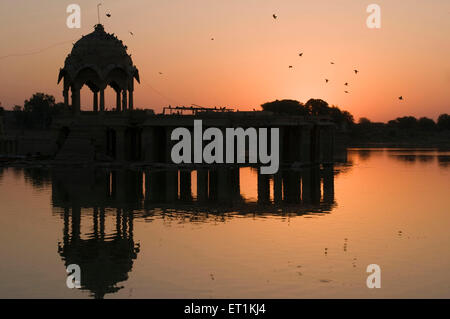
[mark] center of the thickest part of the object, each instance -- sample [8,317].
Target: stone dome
[100,51]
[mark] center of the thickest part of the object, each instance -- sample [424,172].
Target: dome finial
[98,12]
[99,28]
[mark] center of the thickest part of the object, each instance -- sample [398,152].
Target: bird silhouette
[108,15]
[131,33]
[400,98]
[356,71]
[346,83]
[346,91]
[300,54]
[290,67]
[160,73]
[332,62]
[274,16]
[326,80]
[212,39]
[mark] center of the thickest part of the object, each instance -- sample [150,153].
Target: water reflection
[92,199]
[407,156]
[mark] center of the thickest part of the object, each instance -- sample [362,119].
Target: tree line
[345,119]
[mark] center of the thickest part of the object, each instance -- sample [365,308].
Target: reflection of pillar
[95,102]
[118,101]
[76,222]
[124,100]
[235,182]
[130,100]
[213,184]
[306,185]
[102,100]
[185,186]
[155,186]
[277,188]
[121,186]
[171,185]
[315,185]
[291,187]
[263,188]
[202,185]
[328,184]
[223,186]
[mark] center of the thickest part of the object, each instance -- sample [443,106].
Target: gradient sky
[247,63]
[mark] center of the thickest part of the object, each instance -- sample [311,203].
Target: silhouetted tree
[39,107]
[317,107]
[39,110]
[405,122]
[443,122]
[285,107]
[364,121]
[426,124]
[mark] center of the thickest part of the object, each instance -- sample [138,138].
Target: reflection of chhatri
[105,258]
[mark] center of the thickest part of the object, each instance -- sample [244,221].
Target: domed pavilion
[99,59]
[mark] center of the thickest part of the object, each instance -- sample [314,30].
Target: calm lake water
[228,233]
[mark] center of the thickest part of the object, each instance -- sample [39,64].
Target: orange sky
[247,63]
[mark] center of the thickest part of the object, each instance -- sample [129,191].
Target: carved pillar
[102,100]
[124,100]
[130,100]
[118,103]
[95,102]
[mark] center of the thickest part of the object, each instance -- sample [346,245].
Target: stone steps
[77,147]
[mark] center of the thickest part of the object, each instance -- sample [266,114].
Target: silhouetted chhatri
[123,133]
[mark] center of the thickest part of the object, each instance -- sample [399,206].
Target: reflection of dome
[99,59]
[103,264]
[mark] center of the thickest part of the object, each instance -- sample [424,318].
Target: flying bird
[326,80]
[274,16]
[300,54]
[356,71]
[332,62]
[290,67]
[346,83]
[160,73]
[400,98]
[346,91]
[131,33]
[108,15]
[212,39]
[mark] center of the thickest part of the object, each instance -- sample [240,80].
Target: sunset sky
[247,64]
